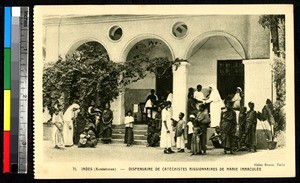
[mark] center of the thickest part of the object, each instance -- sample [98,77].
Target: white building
[224,50]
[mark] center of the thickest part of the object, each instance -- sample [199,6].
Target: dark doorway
[164,83]
[230,75]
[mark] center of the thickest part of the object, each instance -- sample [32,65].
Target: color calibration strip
[7,89]
[16,36]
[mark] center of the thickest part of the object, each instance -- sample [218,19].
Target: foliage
[276,24]
[279,69]
[88,75]
[269,21]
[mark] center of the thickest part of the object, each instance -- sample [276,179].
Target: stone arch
[73,46]
[206,35]
[128,46]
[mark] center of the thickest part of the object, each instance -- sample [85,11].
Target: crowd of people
[204,112]
[74,126]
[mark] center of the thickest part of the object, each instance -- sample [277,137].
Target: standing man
[167,138]
[251,121]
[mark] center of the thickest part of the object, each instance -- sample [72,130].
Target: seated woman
[87,138]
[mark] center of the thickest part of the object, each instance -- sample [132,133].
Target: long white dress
[166,139]
[215,106]
[68,129]
[58,134]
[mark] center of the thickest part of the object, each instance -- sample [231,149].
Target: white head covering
[70,113]
[215,95]
[192,116]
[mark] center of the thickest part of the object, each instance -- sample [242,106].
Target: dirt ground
[113,152]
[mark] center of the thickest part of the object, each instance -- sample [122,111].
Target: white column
[180,89]
[258,82]
[117,106]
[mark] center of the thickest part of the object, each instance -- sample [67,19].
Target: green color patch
[7,68]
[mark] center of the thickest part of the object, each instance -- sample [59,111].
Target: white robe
[215,106]
[166,139]
[68,129]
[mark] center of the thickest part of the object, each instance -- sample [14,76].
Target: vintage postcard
[172,91]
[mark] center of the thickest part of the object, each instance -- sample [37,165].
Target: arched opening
[91,50]
[216,59]
[137,92]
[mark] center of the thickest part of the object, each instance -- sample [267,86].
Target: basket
[272,145]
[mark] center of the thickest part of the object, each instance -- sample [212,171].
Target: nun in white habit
[69,116]
[216,103]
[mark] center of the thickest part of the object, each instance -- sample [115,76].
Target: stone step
[136,127]
[122,131]
[136,142]
[136,137]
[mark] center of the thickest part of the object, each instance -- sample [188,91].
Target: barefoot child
[129,120]
[57,120]
[179,133]
[190,131]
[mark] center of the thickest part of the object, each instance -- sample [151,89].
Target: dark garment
[203,137]
[228,128]
[153,139]
[129,138]
[203,118]
[216,140]
[242,124]
[106,124]
[152,97]
[153,129]
[204,121]
[89,140]
[79,124]
[191,106]
[189,141]
[250,132]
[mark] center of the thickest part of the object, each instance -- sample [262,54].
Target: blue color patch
[7,27]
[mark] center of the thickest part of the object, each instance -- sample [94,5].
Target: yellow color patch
[7,110]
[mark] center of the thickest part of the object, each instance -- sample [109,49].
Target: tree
[88,75]
[276,25]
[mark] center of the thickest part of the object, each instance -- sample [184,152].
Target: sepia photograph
[175,91]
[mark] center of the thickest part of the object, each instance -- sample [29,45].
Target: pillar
[180,89]
[117,106]
[258,82]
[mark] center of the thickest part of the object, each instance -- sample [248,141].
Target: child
[190,131]
[129,120]
[216,139]
[87,138]
[179,133]
[57,120]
